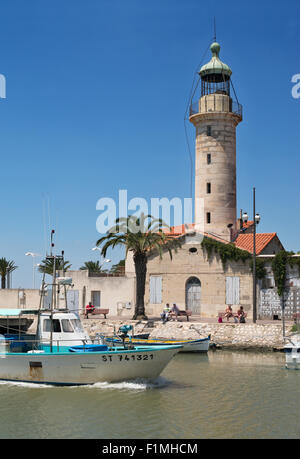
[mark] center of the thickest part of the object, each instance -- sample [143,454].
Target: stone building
[193,280]
[199,283]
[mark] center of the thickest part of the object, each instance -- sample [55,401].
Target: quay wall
[265,337]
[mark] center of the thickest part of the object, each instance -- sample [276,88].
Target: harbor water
[219,395]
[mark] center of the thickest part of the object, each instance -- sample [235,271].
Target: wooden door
[193,295]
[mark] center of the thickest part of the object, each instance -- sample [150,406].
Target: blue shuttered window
[155,289]
[232,290]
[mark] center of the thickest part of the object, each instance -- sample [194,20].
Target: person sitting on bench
[175,310]
[228,312]
[89,308]
[165,314]
[241,315]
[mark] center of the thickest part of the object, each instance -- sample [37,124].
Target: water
[220,395]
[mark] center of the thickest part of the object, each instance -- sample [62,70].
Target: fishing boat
[70,357]
[60,352]
[188,345]
[292,352]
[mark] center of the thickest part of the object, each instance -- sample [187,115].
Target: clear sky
[96,96]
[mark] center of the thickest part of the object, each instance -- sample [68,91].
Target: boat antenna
[63,273]
[42,291]
[53,302]
[52,244]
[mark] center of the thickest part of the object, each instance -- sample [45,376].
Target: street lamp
[33,255]
[245,217]
[105,260]
[256,220]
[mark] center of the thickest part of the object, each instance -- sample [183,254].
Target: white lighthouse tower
[215,117]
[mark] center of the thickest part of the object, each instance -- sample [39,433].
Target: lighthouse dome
[215,66]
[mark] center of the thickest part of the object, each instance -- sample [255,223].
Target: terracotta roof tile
[248,224]
[178,231]
[245,241]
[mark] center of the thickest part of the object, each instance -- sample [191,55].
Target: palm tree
[47,265]
[139,235]
[118,268]
[92,266]
[6,267]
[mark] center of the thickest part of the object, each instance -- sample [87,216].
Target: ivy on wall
[279,267]
[226,252]
[260,268]
[229,252]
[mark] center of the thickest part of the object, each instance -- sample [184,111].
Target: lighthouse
[215,116]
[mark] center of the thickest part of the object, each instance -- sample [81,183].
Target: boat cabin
[65,327]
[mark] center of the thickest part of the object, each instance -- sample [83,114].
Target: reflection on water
[220,395]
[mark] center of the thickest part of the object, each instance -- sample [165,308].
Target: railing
[214,106]
[94,274]
[37,345]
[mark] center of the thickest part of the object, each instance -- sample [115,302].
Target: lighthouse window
[208,217]
[208,188]
[209,158]
[208,131]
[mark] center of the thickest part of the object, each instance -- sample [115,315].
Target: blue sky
[96,96]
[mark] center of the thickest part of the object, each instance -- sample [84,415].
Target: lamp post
[256,220]
[33,255]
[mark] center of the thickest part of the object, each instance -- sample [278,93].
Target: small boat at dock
[292,352]
[188,345]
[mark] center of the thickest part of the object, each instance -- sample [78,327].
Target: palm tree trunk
[140,264]
[3,282]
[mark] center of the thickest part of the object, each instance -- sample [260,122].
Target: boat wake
[136,384]
[26,384]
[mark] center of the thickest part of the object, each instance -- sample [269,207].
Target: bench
[187,314]
[234,314]
[296,317]
[97,311]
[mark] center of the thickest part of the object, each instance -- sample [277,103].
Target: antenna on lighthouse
[215,30]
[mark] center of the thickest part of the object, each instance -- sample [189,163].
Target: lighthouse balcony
[218,103]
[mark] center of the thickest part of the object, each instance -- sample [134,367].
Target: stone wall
[19,298]
[186,264]
[114,291]
[227,336]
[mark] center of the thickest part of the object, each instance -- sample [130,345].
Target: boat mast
[63,273]
[53,300]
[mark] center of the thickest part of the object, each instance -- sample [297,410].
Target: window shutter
[232,290]
[155,289]
[236,290]
[229,296]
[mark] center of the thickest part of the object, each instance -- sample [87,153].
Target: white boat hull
[292,360]
[199,345]
[292,353]
[196,346]
[85,367]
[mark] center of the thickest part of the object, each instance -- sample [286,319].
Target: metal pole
[53,303]
[33,279]
[63,270]
[254,260]
[283,316]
